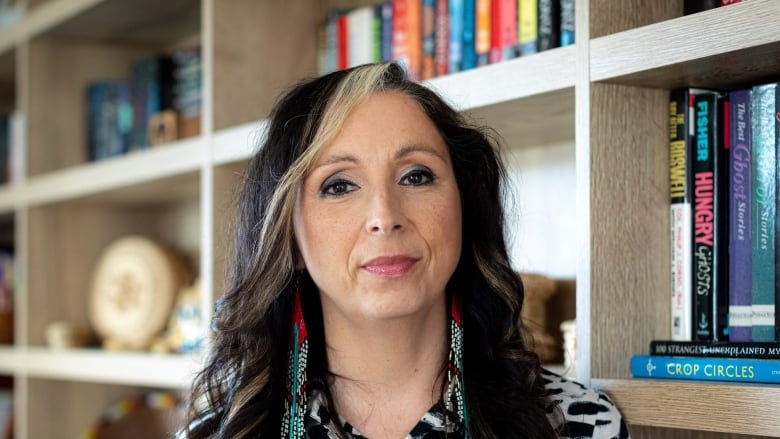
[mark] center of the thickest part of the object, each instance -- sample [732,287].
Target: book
[681,228]
[704,164]
[527,26]
[152,84]
[760,350]
[707,369]
[386,45]
[694,6]
[740,249]
[722,183]
[483,29]
[777,209]
[110,118]
[567,22]
[428,39]
[441,37]
[360,25]
[763,204]
[455,9]
[503,42]
[469,35]
[549,24]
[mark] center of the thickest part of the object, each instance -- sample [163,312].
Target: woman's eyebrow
[335,159]
[418,147]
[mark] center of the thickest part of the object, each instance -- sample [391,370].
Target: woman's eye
[337,188]
[417,177]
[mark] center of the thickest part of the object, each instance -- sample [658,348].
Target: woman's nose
[385,212]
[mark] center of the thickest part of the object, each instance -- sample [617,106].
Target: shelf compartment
[138,22]
[72,407]
[180,160]
[66,240]
[723,47]
[723,407]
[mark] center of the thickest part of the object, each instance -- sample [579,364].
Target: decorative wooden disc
[134,286]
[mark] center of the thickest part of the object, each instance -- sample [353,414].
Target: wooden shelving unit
[607,96]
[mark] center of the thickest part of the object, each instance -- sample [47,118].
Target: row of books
[437,37]
[160,103]
[723,177]
[757,362]
[694,6]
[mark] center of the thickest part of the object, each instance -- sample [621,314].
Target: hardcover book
[707,369]
[469,35]
[549,24]
[428,39]
[759,350]
[456,17]
[740,249]
[441,37]
[482,43]
[763,211]
[567,22]
[528,26]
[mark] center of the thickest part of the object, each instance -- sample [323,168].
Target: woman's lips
[390,266]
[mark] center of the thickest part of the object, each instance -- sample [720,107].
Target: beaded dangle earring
[295,403]
[456,390]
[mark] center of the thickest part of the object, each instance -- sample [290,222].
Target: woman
[370,293]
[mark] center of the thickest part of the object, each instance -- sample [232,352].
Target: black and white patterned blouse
[587,414]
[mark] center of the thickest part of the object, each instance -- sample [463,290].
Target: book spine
[342,33]
[414,30]
[704,217]
[707,369]
[722,143]
[401,32]
[428,39]
[680,219]
[456,12]
[567,22]
[360,39]
[376,34]
[504,42]
[740,257]
[332,45]
[730,349]
[442,37]
[527,26]
[694,6]
[387,30]
[777,209]
[549,24]
[763,211]
[469,34]
[483,32]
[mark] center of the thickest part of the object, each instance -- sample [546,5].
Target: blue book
[387,31]
[456,14]
[705,369]
[567,22]
[469,34]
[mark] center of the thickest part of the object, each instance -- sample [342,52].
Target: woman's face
[377,220]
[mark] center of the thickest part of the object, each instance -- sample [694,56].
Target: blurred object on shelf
[185,326]
[66,335]
[538,291]
[155,415]
[11,11]
[163,128]
[569,329]
[188,93]
[134,287]
[6,327]
[6,411]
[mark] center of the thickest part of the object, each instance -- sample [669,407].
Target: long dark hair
[240,392]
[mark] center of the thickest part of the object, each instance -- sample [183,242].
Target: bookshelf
[607,95]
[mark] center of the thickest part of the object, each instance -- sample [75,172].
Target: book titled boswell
[746,350]
[706,369]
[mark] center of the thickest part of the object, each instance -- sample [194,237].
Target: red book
[441,37]
[400,32]
[343,42]
[504,37]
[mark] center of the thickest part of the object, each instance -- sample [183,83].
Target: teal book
[705,369]
[763,211]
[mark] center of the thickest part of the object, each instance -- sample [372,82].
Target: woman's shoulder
[582,411]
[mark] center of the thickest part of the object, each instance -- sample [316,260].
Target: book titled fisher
[705,369]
